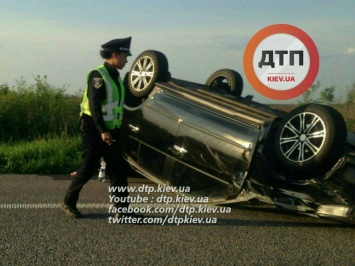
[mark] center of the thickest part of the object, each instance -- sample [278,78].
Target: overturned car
[231,149]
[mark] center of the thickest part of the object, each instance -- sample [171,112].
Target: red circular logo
[281,61]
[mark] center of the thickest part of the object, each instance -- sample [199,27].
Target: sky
[61,39]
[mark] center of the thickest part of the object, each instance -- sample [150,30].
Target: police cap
[119,45]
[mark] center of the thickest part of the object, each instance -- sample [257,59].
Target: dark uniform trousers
[93,149]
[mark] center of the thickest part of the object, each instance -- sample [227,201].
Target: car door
[152,130]
[214,152]
[177,142]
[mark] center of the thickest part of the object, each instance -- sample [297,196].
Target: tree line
[38,110]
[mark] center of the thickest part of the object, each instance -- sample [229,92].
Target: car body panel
[168,142]
[182,135]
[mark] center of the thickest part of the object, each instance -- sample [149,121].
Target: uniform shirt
[97,95]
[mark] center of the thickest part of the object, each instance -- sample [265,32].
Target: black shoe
[70,211]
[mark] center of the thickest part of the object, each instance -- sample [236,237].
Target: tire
[130,100]
[310,139]
[226,81]
[149,67]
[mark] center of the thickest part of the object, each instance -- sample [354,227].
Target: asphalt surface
[34,231]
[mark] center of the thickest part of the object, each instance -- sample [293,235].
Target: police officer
[100,121]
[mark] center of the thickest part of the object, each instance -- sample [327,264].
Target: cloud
[350,50]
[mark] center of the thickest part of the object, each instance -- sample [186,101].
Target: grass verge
[45,156]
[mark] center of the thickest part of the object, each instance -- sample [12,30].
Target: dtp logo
[281,61]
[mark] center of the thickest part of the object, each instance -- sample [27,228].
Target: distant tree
[350,97]
[4,89]
[349,109]
[326,95]
[308,96]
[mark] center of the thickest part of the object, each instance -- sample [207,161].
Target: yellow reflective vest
[112,106]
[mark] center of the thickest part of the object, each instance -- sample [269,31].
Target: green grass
[45,156]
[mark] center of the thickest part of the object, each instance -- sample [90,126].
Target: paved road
[34,232]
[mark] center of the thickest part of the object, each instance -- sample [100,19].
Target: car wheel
[226,81]
[310,139]
[148,68]
[130,100]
